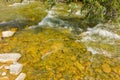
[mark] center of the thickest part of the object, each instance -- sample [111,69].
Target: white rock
[4,57]
[4,74]
[15,68]
[21,76]
[7,67]
[7,33]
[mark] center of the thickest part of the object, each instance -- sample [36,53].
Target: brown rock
[106,68]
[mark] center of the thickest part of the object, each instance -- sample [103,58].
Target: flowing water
[60,47]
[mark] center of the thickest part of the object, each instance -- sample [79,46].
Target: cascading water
[52,20]
[102,39]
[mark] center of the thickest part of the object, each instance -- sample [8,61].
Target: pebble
[9,57]
[4,74]
[15,68]
[7,33]
[21,76]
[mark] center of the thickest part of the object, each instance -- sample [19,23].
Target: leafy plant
[103,10]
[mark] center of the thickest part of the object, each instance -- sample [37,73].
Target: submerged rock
[117,70]
[106,68]
[21,76]
[15,68]
[10,69]
[9,57]
[7,33]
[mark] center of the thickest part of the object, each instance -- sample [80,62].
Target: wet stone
[21,76]
[10,68]
[9,57]
[7,33]
[15,68]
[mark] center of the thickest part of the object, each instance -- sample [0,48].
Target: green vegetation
[103,10]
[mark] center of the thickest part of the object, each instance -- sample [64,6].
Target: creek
[58,44]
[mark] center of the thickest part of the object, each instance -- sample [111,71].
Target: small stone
[1,66]
[21,76]
[7,67]
[15,68]
[106,68]
[7,33]
[4,74]
[5,57]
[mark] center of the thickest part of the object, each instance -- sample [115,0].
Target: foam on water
[97,31]
[99,35]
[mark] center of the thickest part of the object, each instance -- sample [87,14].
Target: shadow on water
[18,23]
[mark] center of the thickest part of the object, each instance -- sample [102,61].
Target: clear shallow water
[101,39]
[52,50]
